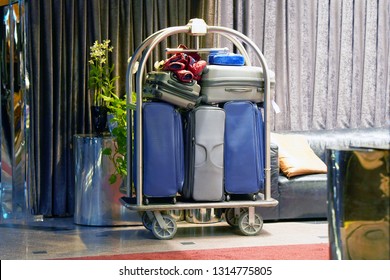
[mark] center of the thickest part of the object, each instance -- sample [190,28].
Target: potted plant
[101,84]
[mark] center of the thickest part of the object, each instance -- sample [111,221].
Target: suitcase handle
[238,90]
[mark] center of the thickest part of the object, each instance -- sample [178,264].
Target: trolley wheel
[146,221]
[231,218]
[164,233]
[248,228]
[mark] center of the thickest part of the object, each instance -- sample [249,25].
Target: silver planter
[96,200]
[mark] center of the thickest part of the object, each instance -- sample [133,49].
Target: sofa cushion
[296,156]
[303,197]
[320,140]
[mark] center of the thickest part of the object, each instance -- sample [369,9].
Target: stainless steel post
[13,118]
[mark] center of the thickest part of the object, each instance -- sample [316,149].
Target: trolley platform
[130,204]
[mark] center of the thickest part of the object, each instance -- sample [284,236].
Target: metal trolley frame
[154,217]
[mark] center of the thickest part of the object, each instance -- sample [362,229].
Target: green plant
[117,107]
[101,82]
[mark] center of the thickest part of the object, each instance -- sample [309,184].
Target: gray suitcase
[222,83]
[163,85]
[204,154]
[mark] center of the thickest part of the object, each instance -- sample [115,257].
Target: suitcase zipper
[174,85]
[179,156]
[189,156]
[257,140]
[260,142]
[167,90]
[239,83]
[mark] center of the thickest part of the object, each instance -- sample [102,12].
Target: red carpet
[285,252]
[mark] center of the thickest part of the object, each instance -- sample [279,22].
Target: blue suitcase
[226,58]
[244,149]
[163,151]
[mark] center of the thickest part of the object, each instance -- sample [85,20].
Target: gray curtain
[60,34]
[331,59]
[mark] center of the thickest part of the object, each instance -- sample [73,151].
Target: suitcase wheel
[147,221]
[232,216]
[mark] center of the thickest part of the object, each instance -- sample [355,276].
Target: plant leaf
[107,151]
[112,179]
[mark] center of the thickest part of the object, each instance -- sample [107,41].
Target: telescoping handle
[236,42]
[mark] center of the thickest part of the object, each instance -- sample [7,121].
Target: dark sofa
[305,196]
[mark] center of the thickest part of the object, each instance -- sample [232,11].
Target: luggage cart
[239,213]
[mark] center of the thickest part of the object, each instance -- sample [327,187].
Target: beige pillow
[296,157]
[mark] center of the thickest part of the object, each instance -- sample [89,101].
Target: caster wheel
[254,197]
[146,221]
[227,198]
[165,233]
[174,200]
[248,228]
[230,217]
[146,201]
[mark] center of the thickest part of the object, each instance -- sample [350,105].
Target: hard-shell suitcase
[222,83]
[204,144]
[165,86]
[163,151]
[244,149]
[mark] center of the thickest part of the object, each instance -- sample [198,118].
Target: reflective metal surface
[96,200]
[178,215]
[13,112]
[204,215]
[358,203]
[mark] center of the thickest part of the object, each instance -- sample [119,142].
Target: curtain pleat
[382,61]
[320,90]
[330,57]
[60,34]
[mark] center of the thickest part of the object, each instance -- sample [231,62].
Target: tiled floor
[61,238]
